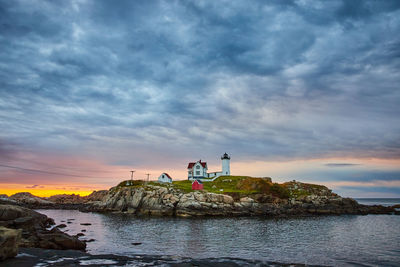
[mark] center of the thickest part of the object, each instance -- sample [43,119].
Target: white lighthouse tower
[226,169]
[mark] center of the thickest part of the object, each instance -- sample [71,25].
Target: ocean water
[350,240]
[379,201]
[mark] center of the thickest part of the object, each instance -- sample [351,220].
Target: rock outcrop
[29,199]
[9,240]
[34,231]
[158,200]
[61,201]
[96,196]
[66,199]
[77,199]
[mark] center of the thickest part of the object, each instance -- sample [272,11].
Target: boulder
[56,239]
[20,215]
[34,231]
[9,239]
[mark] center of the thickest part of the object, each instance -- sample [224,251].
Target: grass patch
[297,189]
[221,185]
[240,186]
[131,183]
[226,184]
[184,185]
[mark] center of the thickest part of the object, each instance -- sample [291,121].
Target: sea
[347,240]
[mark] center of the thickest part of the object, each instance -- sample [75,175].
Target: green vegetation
[297,189]
[240,186]
[140,183]
[223,184]
[131,183]
[295,193]
[184,185]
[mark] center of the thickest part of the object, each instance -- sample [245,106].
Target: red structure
[197,185]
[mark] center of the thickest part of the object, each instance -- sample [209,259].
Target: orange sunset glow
[308,170]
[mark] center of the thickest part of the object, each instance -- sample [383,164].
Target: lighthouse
[198,170]
[226,169]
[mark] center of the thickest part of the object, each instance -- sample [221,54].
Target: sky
[303,90]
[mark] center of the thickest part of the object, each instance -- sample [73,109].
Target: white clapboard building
[199,171]
[165,178]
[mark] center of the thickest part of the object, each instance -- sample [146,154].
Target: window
[198,167]
[197,172]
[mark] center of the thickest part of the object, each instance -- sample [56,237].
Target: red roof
[191,164]
[167,175]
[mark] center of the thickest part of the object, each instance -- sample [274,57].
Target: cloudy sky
[299,90]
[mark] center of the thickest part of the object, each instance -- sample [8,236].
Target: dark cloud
[341,164]
[263,80]
[34,186]
[364,174]
[375,190]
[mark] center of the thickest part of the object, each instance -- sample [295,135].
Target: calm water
[372,240]
[379,201]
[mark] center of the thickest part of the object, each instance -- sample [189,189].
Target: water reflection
[331,240]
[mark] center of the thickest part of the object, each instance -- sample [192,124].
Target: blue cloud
[264,80]
[341,164]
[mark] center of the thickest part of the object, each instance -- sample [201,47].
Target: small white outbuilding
[165,178]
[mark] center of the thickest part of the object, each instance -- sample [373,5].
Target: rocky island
[226,196]
[229,196]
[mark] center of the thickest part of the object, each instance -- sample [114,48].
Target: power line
[49,172]
[59,167]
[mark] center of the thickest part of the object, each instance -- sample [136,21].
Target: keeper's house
[198,170]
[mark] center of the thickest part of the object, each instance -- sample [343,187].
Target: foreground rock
[158,200]
[9,240]
[34,229]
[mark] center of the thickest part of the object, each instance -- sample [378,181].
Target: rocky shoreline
[22,227]
[164,201]
[161,200]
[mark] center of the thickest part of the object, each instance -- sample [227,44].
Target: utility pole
[132,177]
[148,174]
